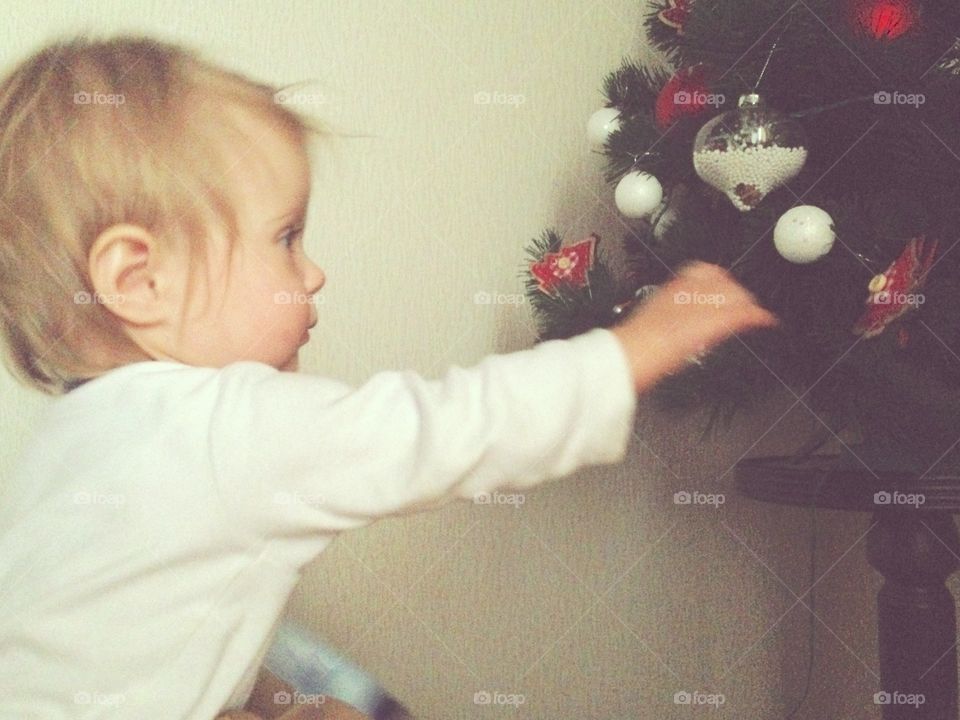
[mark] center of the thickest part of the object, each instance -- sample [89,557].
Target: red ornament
[675,14]
[684,95]
[570,265]
[885,19]
[894,292]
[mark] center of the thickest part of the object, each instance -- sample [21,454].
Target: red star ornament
[570,265]
[894,292]
[676,14]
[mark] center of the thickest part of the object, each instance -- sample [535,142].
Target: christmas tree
[813,148]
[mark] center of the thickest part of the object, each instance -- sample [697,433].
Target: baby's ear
[131,275]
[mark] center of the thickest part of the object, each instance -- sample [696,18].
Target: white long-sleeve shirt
[153,529]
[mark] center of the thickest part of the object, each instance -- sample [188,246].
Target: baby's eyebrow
[297,211]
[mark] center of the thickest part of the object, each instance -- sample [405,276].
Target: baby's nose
[317,280]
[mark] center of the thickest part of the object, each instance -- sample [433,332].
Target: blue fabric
[303,660]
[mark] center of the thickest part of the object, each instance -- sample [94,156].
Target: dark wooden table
[914,546]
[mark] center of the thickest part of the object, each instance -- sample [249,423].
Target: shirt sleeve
[297,453]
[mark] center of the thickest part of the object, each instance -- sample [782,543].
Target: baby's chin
[293,364]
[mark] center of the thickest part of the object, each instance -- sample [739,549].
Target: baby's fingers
[742,304]
[700,270]
[750,316]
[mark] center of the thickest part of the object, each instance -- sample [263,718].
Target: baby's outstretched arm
[701,307]
[299,455]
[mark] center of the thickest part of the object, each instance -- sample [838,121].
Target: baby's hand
[701,307]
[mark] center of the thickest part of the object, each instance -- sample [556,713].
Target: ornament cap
[750,100]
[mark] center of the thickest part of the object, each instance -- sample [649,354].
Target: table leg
[916,551]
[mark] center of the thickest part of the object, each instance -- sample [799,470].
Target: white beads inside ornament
[603,122]
[804,234]
[747,176]
[638,194]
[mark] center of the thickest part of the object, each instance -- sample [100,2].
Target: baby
[152,208]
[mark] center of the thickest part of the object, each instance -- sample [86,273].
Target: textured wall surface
[599,597]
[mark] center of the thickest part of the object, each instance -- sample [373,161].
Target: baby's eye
[290,236]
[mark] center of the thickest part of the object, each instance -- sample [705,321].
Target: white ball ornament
[603,122]
[638,194]
[804,234]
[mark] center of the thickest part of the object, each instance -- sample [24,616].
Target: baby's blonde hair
[95,133]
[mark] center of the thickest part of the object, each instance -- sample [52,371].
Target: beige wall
[599,597]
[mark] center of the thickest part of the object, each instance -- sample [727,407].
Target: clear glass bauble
[749,152]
